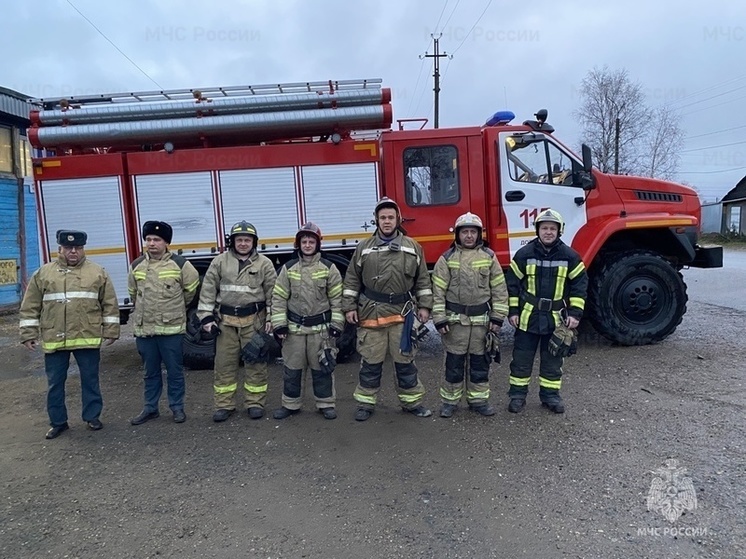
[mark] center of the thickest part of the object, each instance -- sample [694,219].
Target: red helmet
[308,228]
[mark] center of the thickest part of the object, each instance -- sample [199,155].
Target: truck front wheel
[636,298]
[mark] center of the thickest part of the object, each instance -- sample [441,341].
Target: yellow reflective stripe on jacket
[139,274]
[225,389]
[516,269]
[162,274]
[497,280]
[71,343]
[528,308]
[254,388]
[281,291]
[482,263]
[513,301]
[559,284]
[192,286]
[577,302]
[335,290]
[294,274]
[338,316]
[350,293]
[455,264]
[553,384]
[576,271]
[320,274]
[440,282]
[168,330]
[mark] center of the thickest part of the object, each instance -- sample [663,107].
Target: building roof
[738,192]
[14,104]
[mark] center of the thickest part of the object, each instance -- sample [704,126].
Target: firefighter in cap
[307,316]
[236,291]
[470,299]
[161,284]
[386,287]
[71,308]
[547,285]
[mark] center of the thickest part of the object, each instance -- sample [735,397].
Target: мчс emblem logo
[671,492]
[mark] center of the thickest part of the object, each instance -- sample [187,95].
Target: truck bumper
[707,257]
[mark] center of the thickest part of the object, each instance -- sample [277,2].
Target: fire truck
[280,155]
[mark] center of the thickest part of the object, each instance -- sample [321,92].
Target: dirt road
[528,485]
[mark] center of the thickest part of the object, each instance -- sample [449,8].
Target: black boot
[516,405]
[554,403]
[283,412]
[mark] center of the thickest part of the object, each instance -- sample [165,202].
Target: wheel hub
[639,299]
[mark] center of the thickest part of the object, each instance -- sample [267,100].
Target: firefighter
[70,305]
[386,286]
[161,284]
[307,316]
[236,291]
[547,285]
[470,299]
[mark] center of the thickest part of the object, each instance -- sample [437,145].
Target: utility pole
[436,56]
[616,146]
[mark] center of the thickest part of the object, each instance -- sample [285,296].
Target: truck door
[536,174]
[432,188]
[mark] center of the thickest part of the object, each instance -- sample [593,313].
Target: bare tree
[645,141]
[662,145]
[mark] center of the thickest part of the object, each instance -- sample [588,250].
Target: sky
[501,55]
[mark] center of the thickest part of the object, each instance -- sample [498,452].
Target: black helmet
[309,228]
[242,228]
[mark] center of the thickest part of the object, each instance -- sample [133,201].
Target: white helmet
[550,216]
[468,220]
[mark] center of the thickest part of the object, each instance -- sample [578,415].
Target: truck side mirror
[587,158]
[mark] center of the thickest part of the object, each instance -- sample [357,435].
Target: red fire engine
[280,155]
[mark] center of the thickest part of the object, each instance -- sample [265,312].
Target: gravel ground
[529,485]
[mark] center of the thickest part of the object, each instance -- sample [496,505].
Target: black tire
[636,298]
[347,342]
[198,354]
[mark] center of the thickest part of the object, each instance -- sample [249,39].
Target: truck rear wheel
[636,298]
[197,354]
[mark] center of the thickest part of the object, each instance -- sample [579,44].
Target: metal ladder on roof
[329,86]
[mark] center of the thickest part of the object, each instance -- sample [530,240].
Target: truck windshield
[539,162]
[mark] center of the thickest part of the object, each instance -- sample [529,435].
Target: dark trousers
[155,350]
[56,365]
[550,367]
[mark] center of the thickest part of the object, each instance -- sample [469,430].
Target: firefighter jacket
[544,283]
[395,269]
[308,289]
[161,290]
[469,288]
[231,283]
[69,307]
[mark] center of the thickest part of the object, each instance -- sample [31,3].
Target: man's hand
[30,344]
[513,320]
[351,317]
[208,326]
[267,327]
[571,322]
[109,341]
[443,329]
[495,327]
[423,315]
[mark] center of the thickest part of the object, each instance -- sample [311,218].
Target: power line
[712,147]
[144,73]
[435,29]
[450,16]
[706,89]
[473,26]
[715,132]
[710,172]
[711,97]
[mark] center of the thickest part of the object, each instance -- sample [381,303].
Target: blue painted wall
[11,294]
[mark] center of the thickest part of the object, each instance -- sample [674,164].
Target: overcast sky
[506,55]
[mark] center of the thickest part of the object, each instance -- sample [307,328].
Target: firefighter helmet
[468,220]
[308,229]
[550,216]
[242,228]
[387,202]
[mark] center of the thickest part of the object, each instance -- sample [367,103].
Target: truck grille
[652,196]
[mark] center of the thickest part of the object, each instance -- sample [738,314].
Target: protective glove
[492,347]
[257,348]
[328,360]
[334,332]
[564,341]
